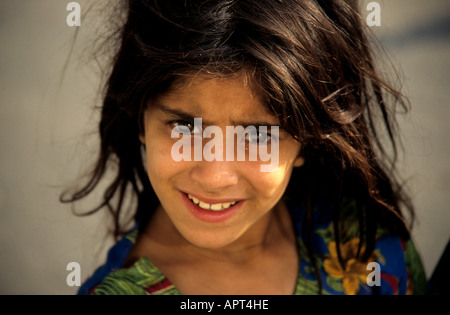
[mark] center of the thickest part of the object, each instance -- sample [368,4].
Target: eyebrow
[183,115]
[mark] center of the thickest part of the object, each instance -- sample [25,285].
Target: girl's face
[186,189]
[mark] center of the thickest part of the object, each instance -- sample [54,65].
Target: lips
[211,210]
[220,206]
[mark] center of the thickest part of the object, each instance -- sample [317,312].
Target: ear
[299,161]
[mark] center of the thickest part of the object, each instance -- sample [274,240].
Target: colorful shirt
[395,266]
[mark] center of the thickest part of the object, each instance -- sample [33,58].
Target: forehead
[230,98]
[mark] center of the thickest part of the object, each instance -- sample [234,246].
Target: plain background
[48,124]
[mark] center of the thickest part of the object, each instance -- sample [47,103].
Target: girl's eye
[182,126]
[260,137]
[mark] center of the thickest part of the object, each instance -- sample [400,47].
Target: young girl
[327,219]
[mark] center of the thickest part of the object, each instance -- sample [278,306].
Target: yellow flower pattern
[355,271]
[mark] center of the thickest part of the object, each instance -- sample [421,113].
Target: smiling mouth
[212,207]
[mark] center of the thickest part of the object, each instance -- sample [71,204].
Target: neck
[263,235]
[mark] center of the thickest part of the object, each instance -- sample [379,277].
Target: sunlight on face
[186,189]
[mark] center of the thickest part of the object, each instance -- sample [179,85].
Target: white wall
[47,136]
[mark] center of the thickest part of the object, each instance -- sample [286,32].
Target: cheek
[268,184]
[158,160]
[273,184]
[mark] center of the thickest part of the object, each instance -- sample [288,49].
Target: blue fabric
[115,260]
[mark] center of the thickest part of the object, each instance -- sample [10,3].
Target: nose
[215,176]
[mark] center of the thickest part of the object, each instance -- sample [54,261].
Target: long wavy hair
[312,63]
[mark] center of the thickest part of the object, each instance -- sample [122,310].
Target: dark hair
[310,60]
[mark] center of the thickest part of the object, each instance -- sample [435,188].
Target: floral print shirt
[394,267]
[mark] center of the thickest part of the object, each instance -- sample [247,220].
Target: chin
[210,241]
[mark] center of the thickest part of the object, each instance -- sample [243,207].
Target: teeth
[204,205]
[213,207]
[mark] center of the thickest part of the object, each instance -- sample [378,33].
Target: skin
[257,244]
